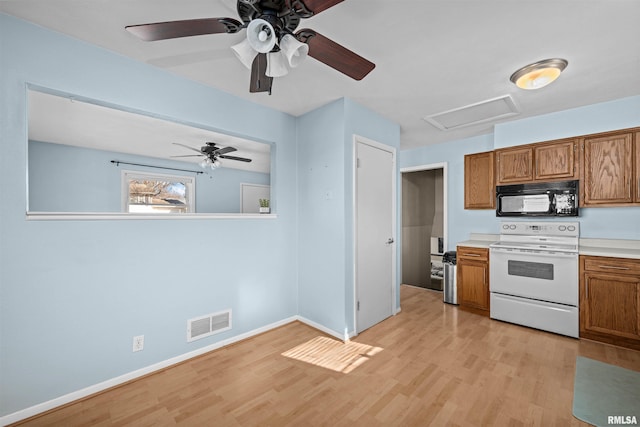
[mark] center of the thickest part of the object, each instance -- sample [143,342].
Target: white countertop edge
[488,237]
[616,248]
[611,243]
[476,243]
[610,252]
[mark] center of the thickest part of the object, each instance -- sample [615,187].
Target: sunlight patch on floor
[333,354]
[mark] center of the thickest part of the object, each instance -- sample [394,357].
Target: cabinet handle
[586,289]
[471,255]
[613,267]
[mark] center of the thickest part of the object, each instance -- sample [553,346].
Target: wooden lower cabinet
[473,279]
[610,300]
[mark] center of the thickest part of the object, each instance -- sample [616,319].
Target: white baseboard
[341,336]
[96,388]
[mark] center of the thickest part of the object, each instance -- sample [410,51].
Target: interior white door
[375,246]
[250,195]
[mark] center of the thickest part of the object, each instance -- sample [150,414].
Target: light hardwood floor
[439,366]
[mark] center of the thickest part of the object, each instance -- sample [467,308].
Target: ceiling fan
[212,153]
[271,46]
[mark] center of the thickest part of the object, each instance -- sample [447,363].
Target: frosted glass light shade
[276,64]
[539,74]
[261,35]
[294,50]
[244,52]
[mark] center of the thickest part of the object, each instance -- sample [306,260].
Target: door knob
[390,241]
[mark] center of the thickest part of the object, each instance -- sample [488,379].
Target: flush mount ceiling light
[539,74]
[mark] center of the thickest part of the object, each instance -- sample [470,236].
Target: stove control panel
[569,229]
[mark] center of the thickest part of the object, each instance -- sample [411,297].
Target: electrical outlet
[138,343]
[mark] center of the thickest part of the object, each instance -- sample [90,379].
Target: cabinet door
[636,179]
[479,183]
[611,305]
[473,284]
[514,165]
[555,161]
[607,170]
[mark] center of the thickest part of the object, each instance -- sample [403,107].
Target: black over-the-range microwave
[539,199]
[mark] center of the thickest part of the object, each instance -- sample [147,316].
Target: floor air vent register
[204,326]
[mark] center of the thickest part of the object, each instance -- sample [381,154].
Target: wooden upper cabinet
[555,161]
[607,169]
[544,161]
[479,183]
[636,178]
[514,165]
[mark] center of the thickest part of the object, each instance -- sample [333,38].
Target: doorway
[424,225]
[375,224]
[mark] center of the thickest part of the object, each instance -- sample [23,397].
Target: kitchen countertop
[592,247]
[610,248]
[477,240]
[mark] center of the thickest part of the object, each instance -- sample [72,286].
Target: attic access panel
[480,112]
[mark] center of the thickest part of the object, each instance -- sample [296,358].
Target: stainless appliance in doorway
[534,275]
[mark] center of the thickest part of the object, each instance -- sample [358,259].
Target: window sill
[109,216]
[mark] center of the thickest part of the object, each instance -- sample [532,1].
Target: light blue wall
[74,293]
[63,178]
[612,223]
[321,235]
[619,114]
[325,170]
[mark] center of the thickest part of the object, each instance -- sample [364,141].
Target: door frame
[445,198]
[394,226]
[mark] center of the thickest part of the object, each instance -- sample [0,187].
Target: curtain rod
[118,163]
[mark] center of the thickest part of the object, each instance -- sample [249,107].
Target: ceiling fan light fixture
[539,74]
[261,35]
[294,50]
[276,64]
[215,164]
[204,163]
[244,52]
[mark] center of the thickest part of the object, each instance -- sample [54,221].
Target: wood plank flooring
[439,366]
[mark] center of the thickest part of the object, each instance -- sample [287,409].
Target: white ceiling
[62,120]
[431,55]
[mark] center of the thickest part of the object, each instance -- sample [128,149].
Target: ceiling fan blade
[260,82]
[335,55]
[317,6]
[241,159]
[187,28]
[225,150]
[190,148]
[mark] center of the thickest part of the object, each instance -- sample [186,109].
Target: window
[156,193]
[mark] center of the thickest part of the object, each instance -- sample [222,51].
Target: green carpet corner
[601,390]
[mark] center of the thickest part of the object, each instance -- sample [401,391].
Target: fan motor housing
[272,11]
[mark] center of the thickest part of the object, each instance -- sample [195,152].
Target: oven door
[541,275]
[522,204]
